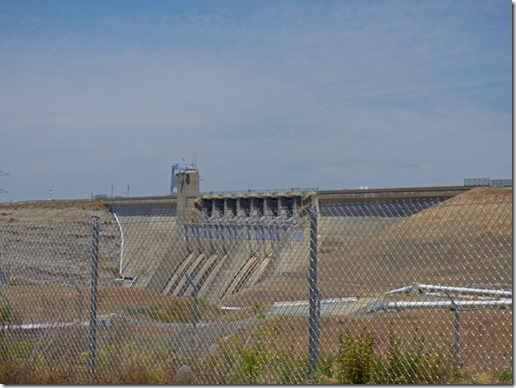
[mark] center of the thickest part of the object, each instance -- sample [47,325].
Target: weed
[259,362]
[356,358]
[359,362]
[259,310]
[506,376]
[5,314]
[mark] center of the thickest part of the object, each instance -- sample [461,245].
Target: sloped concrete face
[226,256]
[153,246]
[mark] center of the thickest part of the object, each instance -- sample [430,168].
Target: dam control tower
[187,179]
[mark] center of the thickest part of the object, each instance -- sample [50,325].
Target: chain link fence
[414,292]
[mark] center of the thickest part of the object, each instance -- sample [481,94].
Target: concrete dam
[228,243]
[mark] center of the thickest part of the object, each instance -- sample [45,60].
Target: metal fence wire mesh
[385,291]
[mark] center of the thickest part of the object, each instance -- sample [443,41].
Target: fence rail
[383,292]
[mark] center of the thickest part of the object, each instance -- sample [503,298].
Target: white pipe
[323,301]
[464,290]
[120,276]
[447,304]
[122,245]
[402,290]
[33,326]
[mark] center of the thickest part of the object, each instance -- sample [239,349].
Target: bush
[5,314]
[506,376]
[356,359]
[358,362]
[259,362]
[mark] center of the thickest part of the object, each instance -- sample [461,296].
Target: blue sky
[269,94]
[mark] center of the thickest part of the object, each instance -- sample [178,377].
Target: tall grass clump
[359,361]
[256,359]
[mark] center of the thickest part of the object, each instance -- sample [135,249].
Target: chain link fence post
[456,347]
[195,300]
[315,314]
[93,309]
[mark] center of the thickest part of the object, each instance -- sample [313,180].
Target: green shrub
[356,358]
[506,376]
[259,310]
[358,362]
[259,362]
[5,314]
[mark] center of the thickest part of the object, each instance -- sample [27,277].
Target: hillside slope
[466,240]
[51,242]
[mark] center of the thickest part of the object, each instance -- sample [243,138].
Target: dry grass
[49,304]
[486,338]
[485,348]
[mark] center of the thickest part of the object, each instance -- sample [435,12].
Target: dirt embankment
[40,211]
[50,242]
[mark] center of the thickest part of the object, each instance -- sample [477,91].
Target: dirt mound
[466,240]
[51,242]
[38,211]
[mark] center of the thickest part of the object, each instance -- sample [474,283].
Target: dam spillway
[227,255]
[222,255]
